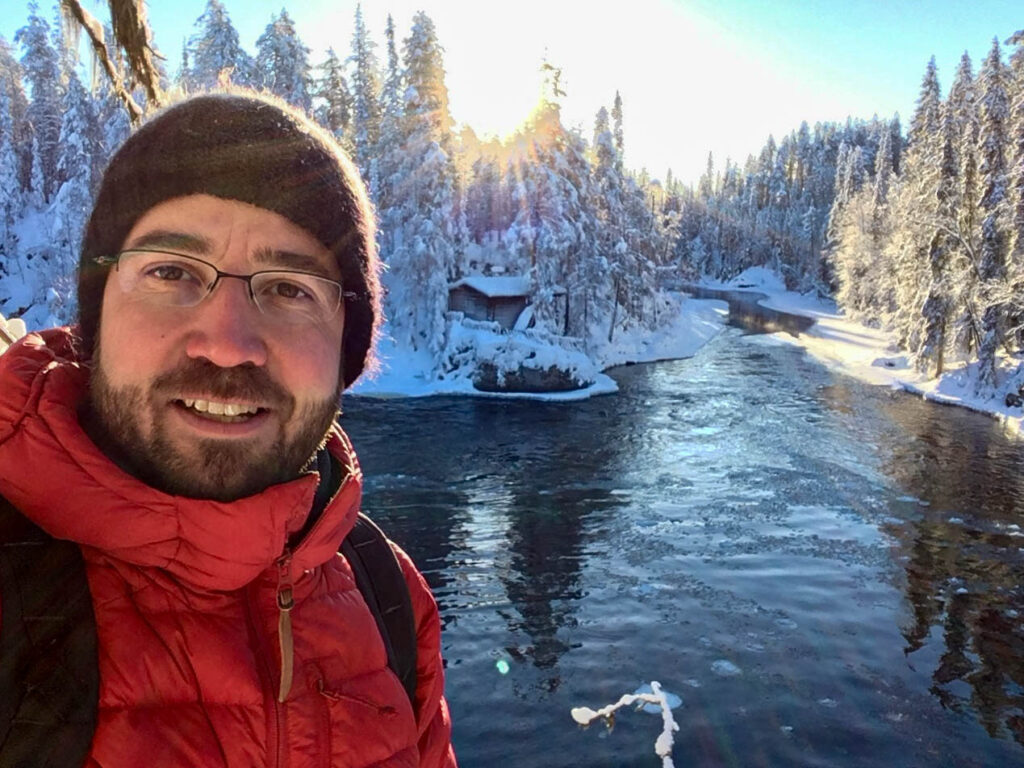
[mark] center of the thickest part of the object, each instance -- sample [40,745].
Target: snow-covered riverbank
[405,374]
[870,355]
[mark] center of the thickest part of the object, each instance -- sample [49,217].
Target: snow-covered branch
[663,745]
[10,332]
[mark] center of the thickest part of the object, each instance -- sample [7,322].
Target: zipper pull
[285,603]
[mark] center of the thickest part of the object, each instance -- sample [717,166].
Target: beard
[205,468]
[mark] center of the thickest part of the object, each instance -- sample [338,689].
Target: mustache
[248,383]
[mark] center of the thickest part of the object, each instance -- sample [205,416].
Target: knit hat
[252,148]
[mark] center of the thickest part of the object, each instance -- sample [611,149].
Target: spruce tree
[962,105]
[11,83]
[282,62]
[994,114]
[10,185]
[390,150]
[41,65]
[216,52]
[335,102]
[1015,249]
[935,311]
[423,210]
[365,101]
[79,142]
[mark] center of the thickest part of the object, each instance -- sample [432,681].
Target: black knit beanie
[255,149]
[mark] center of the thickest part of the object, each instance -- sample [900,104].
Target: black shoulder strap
[49,671]
[382,584]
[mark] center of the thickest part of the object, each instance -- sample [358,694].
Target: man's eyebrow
[177,241]
[302,262]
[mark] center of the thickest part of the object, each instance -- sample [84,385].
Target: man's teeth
[220,409]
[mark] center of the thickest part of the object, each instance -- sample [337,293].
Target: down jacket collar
[58,478]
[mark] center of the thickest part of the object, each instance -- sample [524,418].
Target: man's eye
[288,290]
[168,272]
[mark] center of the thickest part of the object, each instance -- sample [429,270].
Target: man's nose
[227,327]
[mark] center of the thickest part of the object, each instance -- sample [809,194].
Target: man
[185,440]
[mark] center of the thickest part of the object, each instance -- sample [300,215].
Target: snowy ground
[403,374]
[869,354]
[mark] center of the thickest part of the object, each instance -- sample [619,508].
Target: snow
[498,287]
[657,697]
[869,354]
[405,373]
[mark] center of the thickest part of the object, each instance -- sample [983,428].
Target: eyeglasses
[176,280]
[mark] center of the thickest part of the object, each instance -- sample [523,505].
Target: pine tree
[992,263]
[41,64]
[216,52]
[282,62]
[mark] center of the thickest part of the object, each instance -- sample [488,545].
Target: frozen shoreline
[868,353]
[402,374]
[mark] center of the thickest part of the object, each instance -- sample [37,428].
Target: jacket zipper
[276,725]
[285,603]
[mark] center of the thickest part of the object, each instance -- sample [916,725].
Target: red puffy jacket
[185,594]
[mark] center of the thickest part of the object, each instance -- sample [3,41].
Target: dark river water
[827,573]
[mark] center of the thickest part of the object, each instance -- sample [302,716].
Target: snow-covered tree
[79,142]
[11,83]
[423,211]
[282,62]
[334,110]
[216,52]
[994,114]
[41,65]
[365,100]
[11,200]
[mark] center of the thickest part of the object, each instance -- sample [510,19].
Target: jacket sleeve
[433,719]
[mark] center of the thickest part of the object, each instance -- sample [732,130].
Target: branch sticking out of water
[663,744]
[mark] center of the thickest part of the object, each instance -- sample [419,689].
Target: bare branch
[94,31]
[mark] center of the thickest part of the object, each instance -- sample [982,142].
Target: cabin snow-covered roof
[500,286]
[496,287]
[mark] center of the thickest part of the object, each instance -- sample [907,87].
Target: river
[827,573]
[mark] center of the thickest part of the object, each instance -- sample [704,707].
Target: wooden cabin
[498,298]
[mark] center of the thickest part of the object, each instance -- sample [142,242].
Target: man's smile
[220,410]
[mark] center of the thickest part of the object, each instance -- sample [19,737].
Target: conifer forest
[916,228]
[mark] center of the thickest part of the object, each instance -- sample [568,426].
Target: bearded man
[181,442]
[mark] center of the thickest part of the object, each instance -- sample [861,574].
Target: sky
[696,76]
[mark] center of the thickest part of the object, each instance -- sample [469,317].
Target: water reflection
[965,564]
[520,492]
[960,546]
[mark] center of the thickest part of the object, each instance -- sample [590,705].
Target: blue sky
[695,75]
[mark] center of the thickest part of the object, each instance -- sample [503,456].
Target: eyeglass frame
[113,260]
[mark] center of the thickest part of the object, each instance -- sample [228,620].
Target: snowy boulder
[1013,400]
[533,361]
[488,378]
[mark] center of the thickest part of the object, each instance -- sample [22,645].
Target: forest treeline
[922,234]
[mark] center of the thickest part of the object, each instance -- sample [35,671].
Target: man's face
[169,382]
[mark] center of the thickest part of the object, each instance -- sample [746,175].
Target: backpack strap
[49,670]
[382,584]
